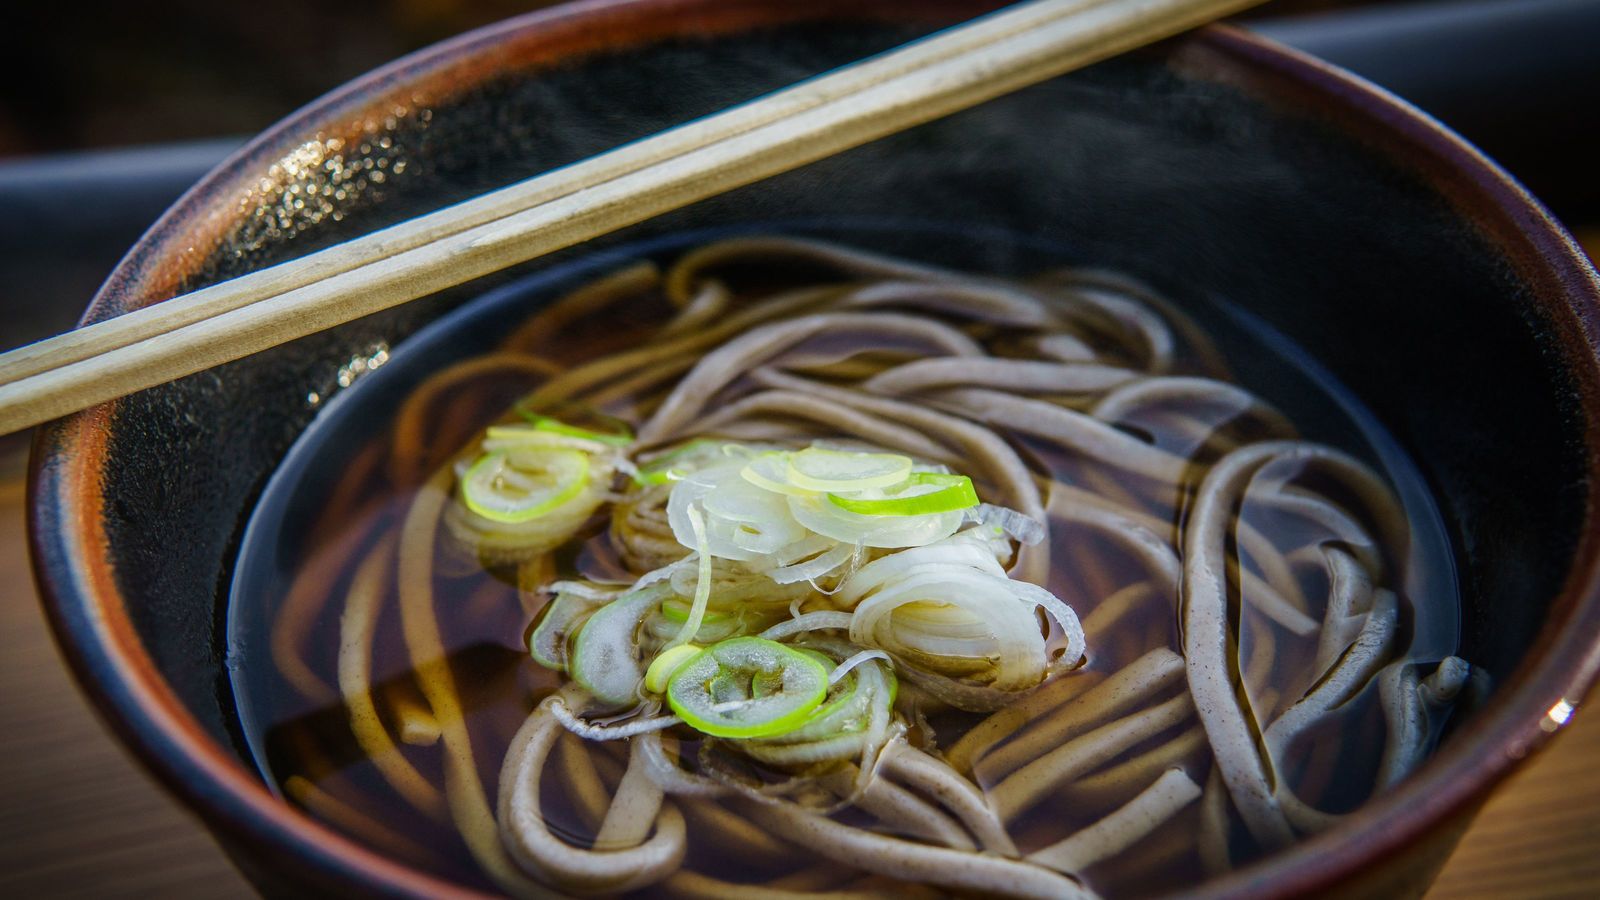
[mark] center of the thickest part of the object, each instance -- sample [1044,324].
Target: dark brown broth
[485,623]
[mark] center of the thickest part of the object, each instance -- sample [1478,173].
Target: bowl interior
[1176,165]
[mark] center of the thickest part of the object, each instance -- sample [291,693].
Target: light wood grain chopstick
[1047,38]
[412,233]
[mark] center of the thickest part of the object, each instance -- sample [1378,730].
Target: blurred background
[109,110]
[95,75]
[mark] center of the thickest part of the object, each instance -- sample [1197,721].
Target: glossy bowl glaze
[1215,165]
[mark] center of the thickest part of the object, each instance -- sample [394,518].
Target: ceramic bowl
[1215,164]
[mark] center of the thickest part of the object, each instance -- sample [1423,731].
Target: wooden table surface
[78,818]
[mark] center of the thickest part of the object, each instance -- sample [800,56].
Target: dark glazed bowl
[1216,165]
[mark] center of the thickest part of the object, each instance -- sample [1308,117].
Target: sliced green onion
[663,666]
[955,621]
[702,582]
[548,643]
[519,438]
[889,532]
[605,654]
[622,437]
[771,472]
[824,470]
[661,470]
[816,567]
[850,722]
[842,693]
[518,434]
[748,687]
[673,609]
[948,493]
[518,486]
[737,501]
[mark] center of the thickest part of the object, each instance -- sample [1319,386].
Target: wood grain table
[78,818]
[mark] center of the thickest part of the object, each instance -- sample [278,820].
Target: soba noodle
[1241,592]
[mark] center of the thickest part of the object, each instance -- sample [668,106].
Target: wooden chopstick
[926,80]
[225,297]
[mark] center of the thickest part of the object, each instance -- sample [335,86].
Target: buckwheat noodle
[1218,647]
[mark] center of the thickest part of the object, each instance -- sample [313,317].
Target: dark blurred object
[1519,78]
[77,75]
[70,218]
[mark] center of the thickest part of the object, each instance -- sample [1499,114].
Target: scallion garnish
[747,687]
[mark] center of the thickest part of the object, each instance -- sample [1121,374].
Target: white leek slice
[741,521]
[1011,648]
[816,567]
[968,548]
[833,471]
[770,471]
[510,437]
[1026,529]
[523,484]
[948,609]
[820,515]
[605,654]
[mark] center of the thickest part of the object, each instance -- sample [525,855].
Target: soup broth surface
[353,613]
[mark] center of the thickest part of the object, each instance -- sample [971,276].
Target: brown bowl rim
[77,580]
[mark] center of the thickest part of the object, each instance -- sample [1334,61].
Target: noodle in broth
[915,702]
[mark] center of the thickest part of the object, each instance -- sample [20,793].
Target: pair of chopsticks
[922,81]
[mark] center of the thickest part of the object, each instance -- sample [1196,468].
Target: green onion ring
[676,610]
[620,438]
[955,492]
[665,664]
[605,653]
[659,470]
[821,469]
[748,687]
[484,487]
